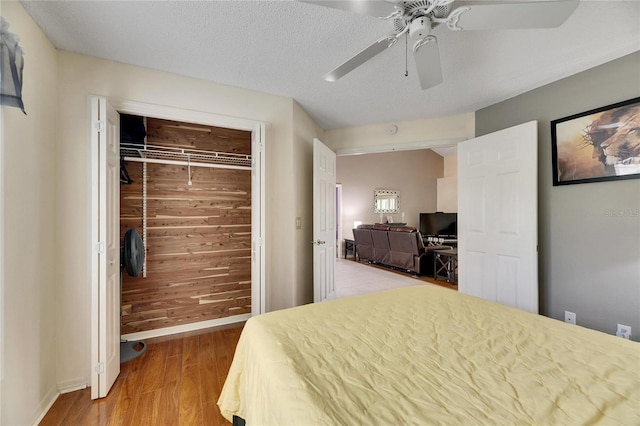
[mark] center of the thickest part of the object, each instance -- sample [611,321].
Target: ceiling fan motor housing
[420,27]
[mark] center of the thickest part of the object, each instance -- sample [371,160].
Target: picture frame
[601,144]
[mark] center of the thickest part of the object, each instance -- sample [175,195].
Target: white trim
[409,146]
[339,230]
[194,326]
[258,228]
[45,405]
[72,385]
[180,114]
[94,276]
[2,345]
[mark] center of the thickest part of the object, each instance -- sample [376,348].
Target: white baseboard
[45,405]
[149,334]
[72,385]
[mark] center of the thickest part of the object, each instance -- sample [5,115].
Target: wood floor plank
[174,347]
[154,368]
[60,410]
[209,384]
[147,409]
[190,350]
[80,409]
[171,390]
[190,404]
[212,415]
[173,370]
[101,410]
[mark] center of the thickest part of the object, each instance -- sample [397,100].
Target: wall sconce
[11,65]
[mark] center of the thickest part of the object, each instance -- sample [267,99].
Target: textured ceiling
[284,47]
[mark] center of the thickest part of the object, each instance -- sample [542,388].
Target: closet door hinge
[99,125]
[99,247]
[99,368]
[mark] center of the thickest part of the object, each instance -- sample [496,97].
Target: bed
[427,355]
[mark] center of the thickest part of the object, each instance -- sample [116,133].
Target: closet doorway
[251,209]
[186,188]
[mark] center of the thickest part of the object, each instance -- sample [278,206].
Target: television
[439,224]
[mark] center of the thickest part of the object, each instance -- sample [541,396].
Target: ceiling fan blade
[485,15]
[363,56]
[427,57]
[377,8]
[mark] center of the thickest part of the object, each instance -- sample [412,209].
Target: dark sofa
[399,247]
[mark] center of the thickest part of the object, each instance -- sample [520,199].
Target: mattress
[428,355]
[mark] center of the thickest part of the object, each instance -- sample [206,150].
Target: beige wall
[29,210]
[413,173]
[589,234]
[450,166]
[414,134]
[304,131]
[448,186]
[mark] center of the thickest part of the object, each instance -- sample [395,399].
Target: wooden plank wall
[198,236]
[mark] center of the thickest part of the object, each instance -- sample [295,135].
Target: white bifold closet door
[105,289]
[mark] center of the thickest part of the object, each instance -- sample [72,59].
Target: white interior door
[324,222]
[498,216]
[105,332]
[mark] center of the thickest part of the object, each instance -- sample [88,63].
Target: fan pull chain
[406,55]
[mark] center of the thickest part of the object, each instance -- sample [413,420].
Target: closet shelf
[156,152]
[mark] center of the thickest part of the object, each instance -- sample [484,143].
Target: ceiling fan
[415,20]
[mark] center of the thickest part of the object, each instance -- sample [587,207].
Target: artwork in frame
[597,145]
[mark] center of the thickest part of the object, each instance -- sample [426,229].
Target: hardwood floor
[177,381]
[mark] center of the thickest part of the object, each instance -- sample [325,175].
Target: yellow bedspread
[428,355]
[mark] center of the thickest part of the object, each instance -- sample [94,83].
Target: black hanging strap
[124,175]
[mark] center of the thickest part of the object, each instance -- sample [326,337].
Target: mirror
[386,201]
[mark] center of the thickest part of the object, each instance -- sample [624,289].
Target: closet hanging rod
[185,163]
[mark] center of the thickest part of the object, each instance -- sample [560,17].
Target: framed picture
[598,145]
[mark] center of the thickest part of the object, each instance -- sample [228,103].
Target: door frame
[258,234]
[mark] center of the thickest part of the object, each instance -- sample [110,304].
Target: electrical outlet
[570,317]
[624,331]
[298,222]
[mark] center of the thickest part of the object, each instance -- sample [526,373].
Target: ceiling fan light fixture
[420,27]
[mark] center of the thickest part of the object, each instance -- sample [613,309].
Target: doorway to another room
[422,180]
